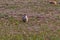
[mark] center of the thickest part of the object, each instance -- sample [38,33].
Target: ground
[44,20]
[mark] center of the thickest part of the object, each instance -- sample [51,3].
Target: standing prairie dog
[53,2]
[25,18]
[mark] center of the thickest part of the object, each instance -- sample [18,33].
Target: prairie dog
[53,2]
[25,18]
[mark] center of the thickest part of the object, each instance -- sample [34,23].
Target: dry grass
[44,20]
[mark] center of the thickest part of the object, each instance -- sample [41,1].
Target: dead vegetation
[44,20]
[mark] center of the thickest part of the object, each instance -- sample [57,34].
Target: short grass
[45,26]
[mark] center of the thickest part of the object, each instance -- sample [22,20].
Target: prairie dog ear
[53,2]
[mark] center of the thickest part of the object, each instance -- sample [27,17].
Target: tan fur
[53,2]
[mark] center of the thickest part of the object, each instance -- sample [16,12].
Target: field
[44,20]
